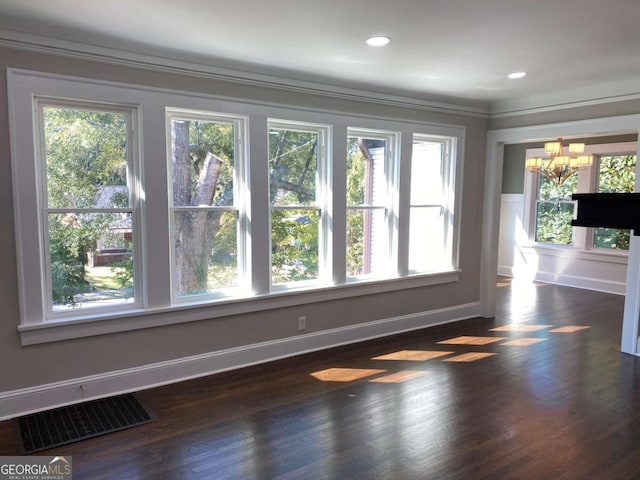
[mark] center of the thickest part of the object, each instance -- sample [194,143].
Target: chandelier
[558,167]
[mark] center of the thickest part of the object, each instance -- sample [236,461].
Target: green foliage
[294,245]
[617,175]
[355,218]
[554,223]
[553,220]
[293,157]
[123,271]
[85,151]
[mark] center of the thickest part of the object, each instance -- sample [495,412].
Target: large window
[206,167]
[552,208]
[296,157]
[136,207]
[89,222]
[370,172]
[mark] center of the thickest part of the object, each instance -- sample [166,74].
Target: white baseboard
[43,397]
[505,271]
[597,284]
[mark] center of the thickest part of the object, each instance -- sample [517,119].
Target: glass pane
[426,173]
[367,242]
[86,158]
[366,180]
[202,162]
[553,223]
[91,258]
[616,175]
[293,166]
[206,252]
[427,249]
[613,238]
[294,245]
[547,190]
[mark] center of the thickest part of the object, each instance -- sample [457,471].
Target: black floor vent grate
[44,430]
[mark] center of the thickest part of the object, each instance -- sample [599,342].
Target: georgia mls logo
[35,468]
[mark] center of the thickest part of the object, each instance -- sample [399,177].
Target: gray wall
[22,367]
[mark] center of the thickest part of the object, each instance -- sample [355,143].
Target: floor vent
[44,430]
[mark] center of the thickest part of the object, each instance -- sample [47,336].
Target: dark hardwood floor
[531,402]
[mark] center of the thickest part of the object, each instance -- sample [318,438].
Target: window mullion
[403,204]
[155,217]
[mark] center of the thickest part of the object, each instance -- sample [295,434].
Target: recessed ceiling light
[517,74]
[378,41]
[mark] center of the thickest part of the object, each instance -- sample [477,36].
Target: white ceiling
[440,49]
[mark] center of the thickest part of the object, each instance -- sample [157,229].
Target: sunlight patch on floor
[413,355]
[399,377]
[469,357]
[569,329]
[345,374]
[465,340]
[523,342]
[520,328]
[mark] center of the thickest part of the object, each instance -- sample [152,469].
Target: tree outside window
[554,211]
[89,217]
[207,257]
[295,203]
[616,175]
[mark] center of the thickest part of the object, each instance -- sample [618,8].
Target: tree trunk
[194,232]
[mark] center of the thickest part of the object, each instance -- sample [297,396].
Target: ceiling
[446,50]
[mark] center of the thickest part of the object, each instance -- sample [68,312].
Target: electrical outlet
[302,323]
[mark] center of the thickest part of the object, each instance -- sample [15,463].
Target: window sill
[89,325]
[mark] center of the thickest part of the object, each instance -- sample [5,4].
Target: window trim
[391,207]
[44,308]
[322,203]
[451,196]
[241,201]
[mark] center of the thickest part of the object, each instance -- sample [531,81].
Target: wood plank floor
[527,395]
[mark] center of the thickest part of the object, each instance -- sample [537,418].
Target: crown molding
[96,53]
[609,92]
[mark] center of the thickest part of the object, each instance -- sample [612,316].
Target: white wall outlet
[302,323]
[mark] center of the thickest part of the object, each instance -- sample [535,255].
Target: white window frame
[132,174]
[241,201]
[449,168]
[322,204]
[391,170]
[587,183]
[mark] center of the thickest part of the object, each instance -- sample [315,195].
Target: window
[552,208]
[370,168]
[136,207]
[616,174]
[554,211]
[206,165]
[431,205]
[296,161]
[89,217]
